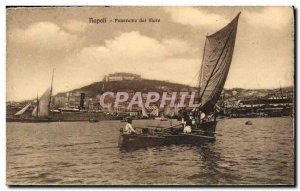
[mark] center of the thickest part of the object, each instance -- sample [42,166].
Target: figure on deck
[202,117]
[128,128]
[188,126]
[185,117]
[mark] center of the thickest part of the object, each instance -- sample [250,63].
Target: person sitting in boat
[128,127]
[185,117]
[188,126]
[209,117]
[202,117]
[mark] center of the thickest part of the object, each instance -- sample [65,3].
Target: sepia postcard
[186,96]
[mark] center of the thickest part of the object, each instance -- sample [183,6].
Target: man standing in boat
[128,128]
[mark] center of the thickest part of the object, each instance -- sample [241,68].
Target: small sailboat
[217,56]
[144,112]
[154,112]
[248,123]
[167,111]
[166,114]
[176,110]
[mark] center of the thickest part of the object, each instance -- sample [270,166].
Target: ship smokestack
[82,97]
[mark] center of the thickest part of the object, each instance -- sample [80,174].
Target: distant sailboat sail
[155,112]
[144,112]
[167,111]
[176,111]
[22,110]
[43,107]
[172,112]
[217,56]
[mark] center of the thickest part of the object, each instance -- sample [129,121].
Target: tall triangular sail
[43,106]
[51,90]
[42,109]
[216,61]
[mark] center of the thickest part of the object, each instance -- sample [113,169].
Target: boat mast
[37,105]
[201,71]
[51,90]
[281,91]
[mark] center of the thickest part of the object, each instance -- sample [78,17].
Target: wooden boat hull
[31,120]
[209,127]
[205,133]
[141,141]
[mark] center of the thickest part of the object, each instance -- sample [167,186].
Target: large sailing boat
[217,56]
[41,112]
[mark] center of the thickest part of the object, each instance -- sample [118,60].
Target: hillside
[144,85]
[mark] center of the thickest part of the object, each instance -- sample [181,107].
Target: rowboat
[141,141]
[150,137]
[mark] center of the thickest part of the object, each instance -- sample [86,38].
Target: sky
[42,39]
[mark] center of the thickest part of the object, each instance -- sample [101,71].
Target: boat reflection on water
[199,163]
[213,167]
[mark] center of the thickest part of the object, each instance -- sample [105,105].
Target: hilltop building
[121,76]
